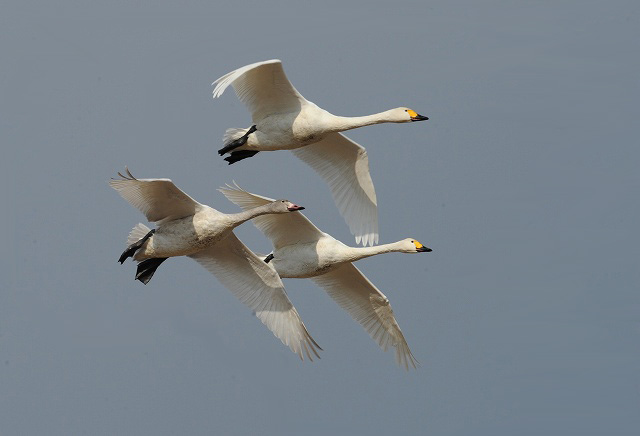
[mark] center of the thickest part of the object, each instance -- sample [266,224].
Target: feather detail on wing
[369,307]
[258,286]
[263,87]
[158,199]
[344,165]
[282,229]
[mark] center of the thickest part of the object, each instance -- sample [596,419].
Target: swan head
[405,115]
[285,206]
[411,245]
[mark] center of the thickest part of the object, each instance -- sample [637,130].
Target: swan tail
[136,239]
[232,134]
[138,232]
[147,268]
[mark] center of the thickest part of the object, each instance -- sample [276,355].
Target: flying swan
[188,228]
[284,120]
[301,250]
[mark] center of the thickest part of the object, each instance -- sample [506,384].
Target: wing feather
[158,199]
[282,229]
[344,166]
[369,307]
[258,286]
[263,87]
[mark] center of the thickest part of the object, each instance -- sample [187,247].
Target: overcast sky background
[524,181]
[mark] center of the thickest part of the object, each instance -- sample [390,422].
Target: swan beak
[295,207]
[419,117]
[424,249]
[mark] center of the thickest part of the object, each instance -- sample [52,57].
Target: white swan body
[301,250]
[186,236]
[284,120]
[188,228]
[326,254]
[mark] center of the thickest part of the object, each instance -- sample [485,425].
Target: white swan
[284,120]
[188,228]
[301,250]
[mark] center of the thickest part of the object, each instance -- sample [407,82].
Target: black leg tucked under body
[147,268]
[268,258]
[238,142]
[239,155]
[131,249]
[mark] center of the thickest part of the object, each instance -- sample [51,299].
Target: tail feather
[232,134]
[137,233]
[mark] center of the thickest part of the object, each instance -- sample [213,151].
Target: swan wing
[258,286]
[158,199]
[369,307]
[344,165]
[263,87]
[283,229]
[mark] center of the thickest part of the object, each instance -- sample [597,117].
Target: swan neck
[244,216]
[362,252]
[348,123]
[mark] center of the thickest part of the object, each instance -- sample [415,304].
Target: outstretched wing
[158,199]
[282,229]
[263,87]
[258,286]
[369,307]
[344,165]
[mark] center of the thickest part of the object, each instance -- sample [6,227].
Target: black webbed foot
[131,249]
[147,268]
[238,142]
[239,155]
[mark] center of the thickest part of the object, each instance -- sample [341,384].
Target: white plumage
[186,227]
[285,120]
[301,250]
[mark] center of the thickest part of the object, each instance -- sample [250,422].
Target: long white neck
[246,215]
[357,253]
[341,124]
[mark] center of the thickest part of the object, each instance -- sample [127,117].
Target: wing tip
[114,182]
[405,358]
[231,191]
[301,346]
[366,239]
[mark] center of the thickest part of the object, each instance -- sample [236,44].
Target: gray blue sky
[524,182]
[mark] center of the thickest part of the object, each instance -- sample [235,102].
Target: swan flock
[282,119]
